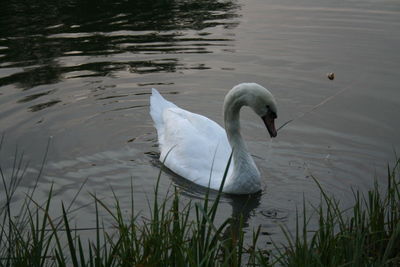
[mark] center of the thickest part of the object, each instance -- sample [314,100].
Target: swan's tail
[157,106]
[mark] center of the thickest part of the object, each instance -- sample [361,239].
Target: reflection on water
[89,38]
[81,72]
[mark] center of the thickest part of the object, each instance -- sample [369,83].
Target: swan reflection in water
[243,206]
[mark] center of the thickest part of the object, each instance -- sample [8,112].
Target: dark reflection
[243,206]
[41,106]
[34,77]
[34,96]
[42,35]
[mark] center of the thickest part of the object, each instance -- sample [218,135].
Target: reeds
[367,234]
[173,235]
[176,234]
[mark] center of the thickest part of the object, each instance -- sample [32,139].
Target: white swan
[198,148]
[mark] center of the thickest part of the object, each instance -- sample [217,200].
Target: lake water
[79,73]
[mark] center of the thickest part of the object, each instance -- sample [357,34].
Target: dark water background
[80,72]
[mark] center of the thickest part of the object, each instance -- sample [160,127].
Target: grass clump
[173,235]
[367,234]
[176,234]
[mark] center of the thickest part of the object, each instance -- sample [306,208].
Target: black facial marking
[273,114]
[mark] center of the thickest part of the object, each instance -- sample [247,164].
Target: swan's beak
[269,121]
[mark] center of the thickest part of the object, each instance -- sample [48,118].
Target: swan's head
[260,100]
[264,105]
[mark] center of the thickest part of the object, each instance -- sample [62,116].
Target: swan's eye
[273,114]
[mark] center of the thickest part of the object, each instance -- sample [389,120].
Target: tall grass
[173,235]
[367,234]
[176,234]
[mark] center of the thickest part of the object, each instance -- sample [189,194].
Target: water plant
[177,234]
[169,237]
[366,234]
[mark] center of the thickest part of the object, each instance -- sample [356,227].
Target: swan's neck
[245,174]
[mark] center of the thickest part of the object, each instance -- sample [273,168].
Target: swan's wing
[197,146]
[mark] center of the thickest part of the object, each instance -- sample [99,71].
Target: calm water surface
[80,72]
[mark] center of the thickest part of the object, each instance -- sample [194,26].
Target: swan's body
[198,149]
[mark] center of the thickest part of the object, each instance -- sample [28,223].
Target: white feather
[198,149]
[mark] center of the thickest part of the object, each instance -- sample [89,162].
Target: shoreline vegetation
[367,234]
